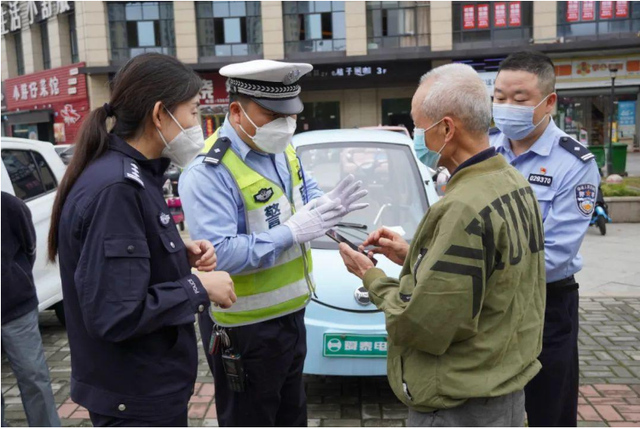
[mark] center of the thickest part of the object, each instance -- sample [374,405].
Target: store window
[228,29]
[597,19]
[397,24]
[44,38]
[17,42]
[323,115]
[492,24]
[139,27]
[315,26]
[397,112]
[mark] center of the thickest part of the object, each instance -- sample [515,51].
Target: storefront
[47,106]
[214,102]
[360,95]
[584,99]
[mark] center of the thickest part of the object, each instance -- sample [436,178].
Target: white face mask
[273,137]
[185,146]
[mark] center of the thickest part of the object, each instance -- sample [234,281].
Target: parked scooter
[600,215]
[173,197]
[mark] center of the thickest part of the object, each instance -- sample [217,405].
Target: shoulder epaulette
[217,151]
[576,149]
[494,130]
[132,171]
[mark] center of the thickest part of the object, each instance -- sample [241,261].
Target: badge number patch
[264,195]
[586,198]
[164,219]
[539,179]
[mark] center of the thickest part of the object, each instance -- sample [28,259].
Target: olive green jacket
[465,318]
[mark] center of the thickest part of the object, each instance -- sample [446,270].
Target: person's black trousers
[99,420]
[273,354]
[551,398]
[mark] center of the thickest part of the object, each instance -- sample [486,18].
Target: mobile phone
[335,236]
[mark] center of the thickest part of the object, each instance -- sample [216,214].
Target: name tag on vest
[539,179]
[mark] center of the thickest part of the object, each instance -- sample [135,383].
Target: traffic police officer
[249,195]
[129,294]
[565,178]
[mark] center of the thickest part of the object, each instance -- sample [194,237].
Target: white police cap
[271,84]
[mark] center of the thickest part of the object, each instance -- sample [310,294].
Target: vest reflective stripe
[285,287]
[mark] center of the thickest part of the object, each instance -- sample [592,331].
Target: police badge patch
[586,198]
[264,195]
[164,219]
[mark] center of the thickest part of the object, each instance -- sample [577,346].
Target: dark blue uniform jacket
[129,294]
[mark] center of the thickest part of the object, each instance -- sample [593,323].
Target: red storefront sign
[573,11]
[469,17]
[214,90]
[622,9]
[515,15]
[62,90]
[500,14]
[606,9]
[483,16]
[588,10]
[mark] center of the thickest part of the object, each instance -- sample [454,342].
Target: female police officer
[130,297]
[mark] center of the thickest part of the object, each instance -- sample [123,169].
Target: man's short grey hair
[457,90]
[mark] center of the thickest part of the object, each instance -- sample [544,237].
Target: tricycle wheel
[602,225]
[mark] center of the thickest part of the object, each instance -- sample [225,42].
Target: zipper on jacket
[423,253]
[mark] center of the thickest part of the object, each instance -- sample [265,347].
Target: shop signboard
[573,11]
[606,9]
[214,90]
[626,119]
[489,79]
[483,16]
[469,16]
[515,14]
[622,9]
[62,90]
[590,69]
[588,10]
[500,14]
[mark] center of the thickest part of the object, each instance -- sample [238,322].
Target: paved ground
[609,354]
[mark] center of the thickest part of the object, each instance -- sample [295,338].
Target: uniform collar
[156,167]
[541,147]
[237,144]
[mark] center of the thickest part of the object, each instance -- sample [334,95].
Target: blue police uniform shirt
[214,207]
[129,294]
[566,187]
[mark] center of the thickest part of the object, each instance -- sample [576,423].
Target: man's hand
[219,287]
[389,244]
[202,255]
[355,262]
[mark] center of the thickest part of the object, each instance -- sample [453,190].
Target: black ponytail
[136,88]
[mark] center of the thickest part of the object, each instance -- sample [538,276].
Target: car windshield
[397,197]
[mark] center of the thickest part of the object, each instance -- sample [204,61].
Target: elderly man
[465,318]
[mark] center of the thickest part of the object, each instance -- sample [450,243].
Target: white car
[32,170]
[346,334]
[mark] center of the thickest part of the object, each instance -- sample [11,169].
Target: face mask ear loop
[546,114]
[252,123]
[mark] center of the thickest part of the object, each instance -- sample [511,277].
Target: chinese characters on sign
[469,17]
[483,16]
[622,9]
[11,20]
[360,71]
[606,9]
[515,16]
[30,91]
[500,14]
[588,10]
[573,11]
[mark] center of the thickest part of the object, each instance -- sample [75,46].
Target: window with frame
[492,24]
[44,38]
[397,24]
[139,27]
[73,37]
[598,19]
[228,28]
[30,174]
[17,41]
[315,26]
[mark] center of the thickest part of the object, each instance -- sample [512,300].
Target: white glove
[348,193]
[310,222]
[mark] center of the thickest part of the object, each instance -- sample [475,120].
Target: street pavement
[609,356]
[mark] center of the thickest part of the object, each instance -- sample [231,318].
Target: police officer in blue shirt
[249,195]
[565,178]
[129,294]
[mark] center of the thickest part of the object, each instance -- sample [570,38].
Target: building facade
[367,56]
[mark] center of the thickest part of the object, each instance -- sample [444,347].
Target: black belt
[565,285]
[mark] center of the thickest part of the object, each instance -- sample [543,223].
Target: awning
[27,116]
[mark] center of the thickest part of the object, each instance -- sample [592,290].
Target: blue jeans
[22,342]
